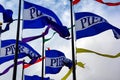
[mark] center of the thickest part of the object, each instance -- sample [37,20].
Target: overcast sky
[96,67]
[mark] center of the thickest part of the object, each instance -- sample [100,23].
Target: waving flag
[63,32]
[1,8]
[75,2]
[109,3]
[8,51]
[35,77]
[89,24]
[55,60]
[7,17]
[38,17]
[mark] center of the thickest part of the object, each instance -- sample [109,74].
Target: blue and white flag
[55,60]
[8,51]
[89,24]
[37,16]
[35,77]
[7,17]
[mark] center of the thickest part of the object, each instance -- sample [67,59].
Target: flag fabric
[75,2]
[63,32]
[55,60]
[8,51]
[35,77]
[38,17]
[7,14]
[6,28]
[109,3]
[7,17]
[68,63]
[89,24]
[26,65]
[1,8]
[82,50]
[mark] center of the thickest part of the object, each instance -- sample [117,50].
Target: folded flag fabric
[63,32]
[55,60]
[35,77]
[7,17]
[8,51]
[89,24]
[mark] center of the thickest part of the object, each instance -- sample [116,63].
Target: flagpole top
[0,23]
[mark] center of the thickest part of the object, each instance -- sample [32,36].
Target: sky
[96,67]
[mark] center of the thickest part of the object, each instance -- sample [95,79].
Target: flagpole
[72,42]
[23,70]
[42,57]
[17,40]
[0,36]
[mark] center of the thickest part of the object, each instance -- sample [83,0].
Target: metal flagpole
[23,70]
[0,36]
[17,40]
[43,57]
[72,42]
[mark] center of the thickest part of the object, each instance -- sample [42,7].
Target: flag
[35,77]
[39,17]
[75,2]
[90,24]
[62,31]
[7,17]
[7,14]
[8,51]
[55,60]
[1,8]
[109,3]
